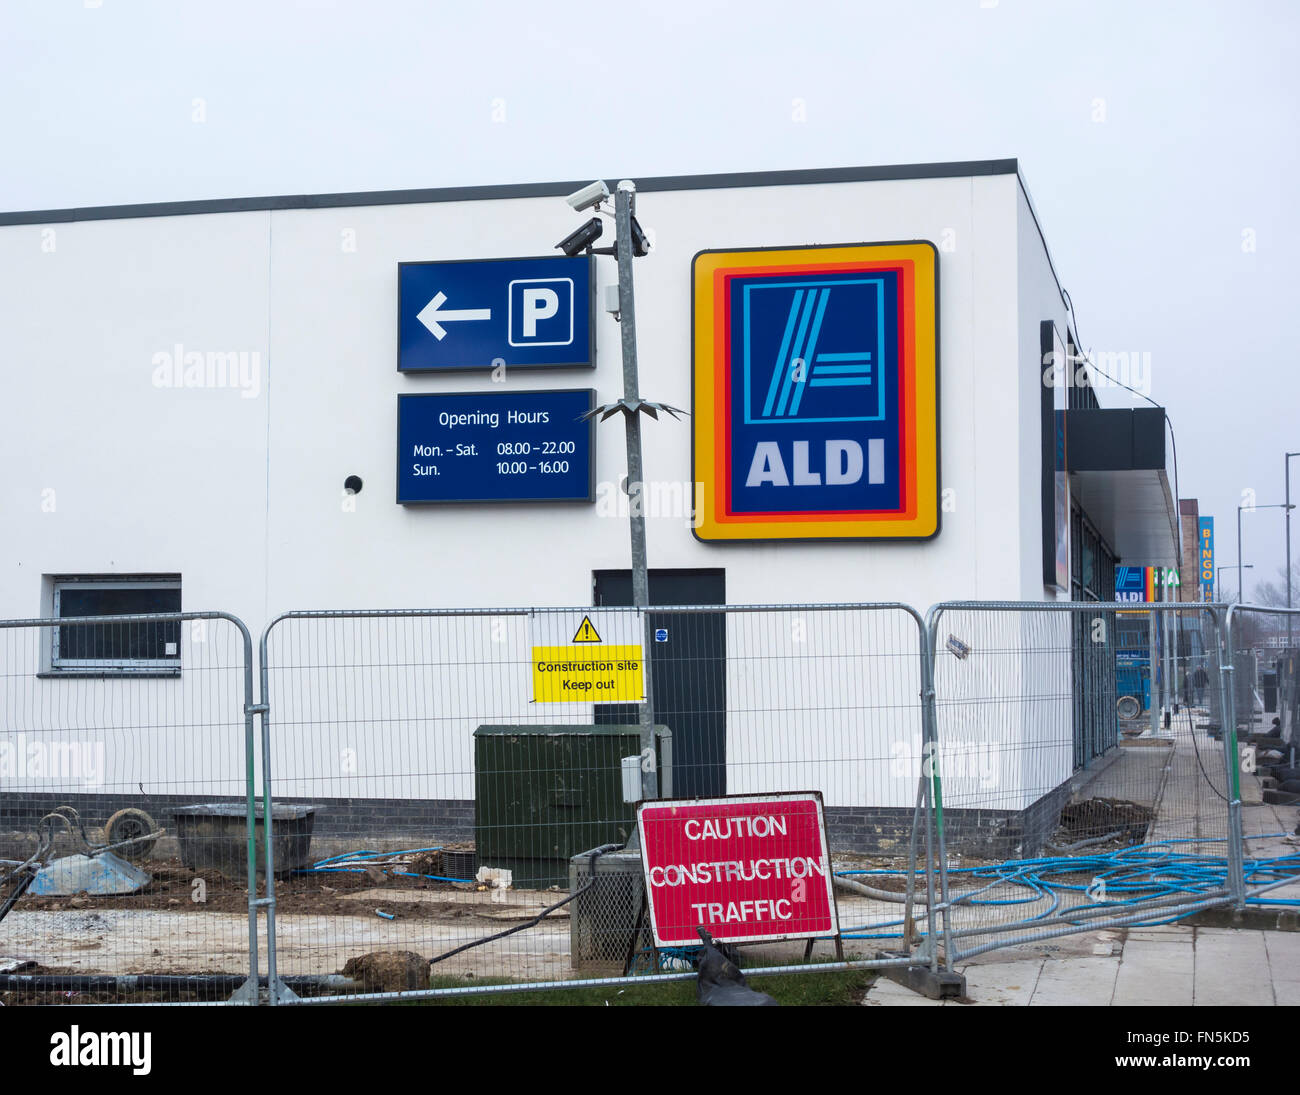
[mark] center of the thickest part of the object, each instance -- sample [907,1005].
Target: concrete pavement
[1174,965]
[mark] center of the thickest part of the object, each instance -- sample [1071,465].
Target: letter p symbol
[539,304]
[541,312]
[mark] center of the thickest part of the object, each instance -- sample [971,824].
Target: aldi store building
[381,401]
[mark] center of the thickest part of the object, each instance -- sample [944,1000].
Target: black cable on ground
[1191,727]
[595,854]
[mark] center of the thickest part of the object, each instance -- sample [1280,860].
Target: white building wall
[239,489]
[471,554]
[106,472]
[243,495]
[1046,730]
[1039,299]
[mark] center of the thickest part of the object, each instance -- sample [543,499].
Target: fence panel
[441,806]
[1078,785]
[128,732]
[1265,719]
[453,793]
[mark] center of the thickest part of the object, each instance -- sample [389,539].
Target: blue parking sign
[478,314]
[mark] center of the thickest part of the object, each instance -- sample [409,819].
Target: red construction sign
[745,867]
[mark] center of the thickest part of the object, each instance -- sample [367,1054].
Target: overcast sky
[1159,142]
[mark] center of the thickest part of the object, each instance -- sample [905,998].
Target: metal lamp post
[1240,595]
[1275,505]
[1287,463]
[1218,579]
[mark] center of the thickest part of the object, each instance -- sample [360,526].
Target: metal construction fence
[119,737]
[1261,656]
[424,740]
[447,818]
[1058,813]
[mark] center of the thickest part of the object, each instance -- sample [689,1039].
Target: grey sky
[1151,136]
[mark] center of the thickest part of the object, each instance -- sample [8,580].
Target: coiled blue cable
[1141,872]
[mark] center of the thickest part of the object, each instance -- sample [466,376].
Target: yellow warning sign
[591,674]
[586,632]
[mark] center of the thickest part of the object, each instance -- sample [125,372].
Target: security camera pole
[623,200]
[632,406]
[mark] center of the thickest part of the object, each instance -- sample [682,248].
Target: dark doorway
[688,672]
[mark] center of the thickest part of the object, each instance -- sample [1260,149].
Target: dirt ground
[322,922]
[1094,818]
[325,920]
[341,894]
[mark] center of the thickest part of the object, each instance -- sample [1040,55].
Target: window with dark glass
[117,645]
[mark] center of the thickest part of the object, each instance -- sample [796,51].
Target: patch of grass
[833,989]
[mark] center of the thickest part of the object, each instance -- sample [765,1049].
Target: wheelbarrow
[94,868]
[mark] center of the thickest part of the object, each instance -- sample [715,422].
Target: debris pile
[1101,821]
[389,971]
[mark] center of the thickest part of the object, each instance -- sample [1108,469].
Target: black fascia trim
[720,181]
[1047,453]
[1116,439]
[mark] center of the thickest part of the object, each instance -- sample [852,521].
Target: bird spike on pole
[632,407]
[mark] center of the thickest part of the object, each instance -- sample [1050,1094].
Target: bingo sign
[816,393]
[1206,538]
[744,867]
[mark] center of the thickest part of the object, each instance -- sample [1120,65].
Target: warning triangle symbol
[586,633]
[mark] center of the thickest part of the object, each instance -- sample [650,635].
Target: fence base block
[940,985]
[264,992]
[1252,918]
[280,993]
[245,994]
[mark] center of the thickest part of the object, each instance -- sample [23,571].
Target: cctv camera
[640,241]
[588,196]
[584,237]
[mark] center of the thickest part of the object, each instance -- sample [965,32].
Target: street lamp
[1218,578]
[1287,464]
[1276,505]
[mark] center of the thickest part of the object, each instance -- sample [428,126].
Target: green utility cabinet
[542,794]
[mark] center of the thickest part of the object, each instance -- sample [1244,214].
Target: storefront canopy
[1116,459]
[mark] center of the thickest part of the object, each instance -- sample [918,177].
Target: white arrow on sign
[433,317]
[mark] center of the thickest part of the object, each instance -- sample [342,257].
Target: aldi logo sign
[1134,583]
[816,411]
[823,316]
